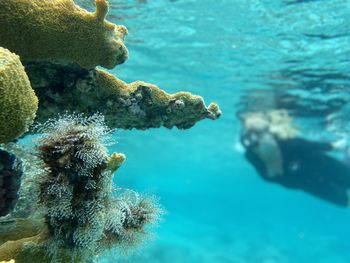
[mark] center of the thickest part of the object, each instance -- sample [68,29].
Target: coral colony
[58,203]
[76,192]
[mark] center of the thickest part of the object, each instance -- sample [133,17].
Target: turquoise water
[235,53]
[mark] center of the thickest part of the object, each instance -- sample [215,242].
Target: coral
[28,249]
[77,208]
[19,228]
[128,214]
[59,30]
[10,180]
[115,161]
[144,105]
[124,225]
[76,192]
[68,209]
[137,105]
[18,102]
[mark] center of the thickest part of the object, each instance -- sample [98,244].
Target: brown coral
[137,105]
[18,102]
[59,30]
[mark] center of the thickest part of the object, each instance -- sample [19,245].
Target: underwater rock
[28,193]
[59,30]
[10,181]
[82,216]
[137,105]
[18,102]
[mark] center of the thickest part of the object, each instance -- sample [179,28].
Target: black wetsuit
[306,166]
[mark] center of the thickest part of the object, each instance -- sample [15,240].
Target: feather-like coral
[75,192]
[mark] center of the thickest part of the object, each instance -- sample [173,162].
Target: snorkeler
[279,156]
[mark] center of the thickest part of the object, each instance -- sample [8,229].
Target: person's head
[260,134]
[254,126]
[278,123]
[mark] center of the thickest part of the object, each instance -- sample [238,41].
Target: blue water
[230,52]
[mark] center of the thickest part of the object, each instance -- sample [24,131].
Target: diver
[280,156]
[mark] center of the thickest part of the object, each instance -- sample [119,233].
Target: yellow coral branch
[19,228]
[137,105]
[18,102]
[115,161]
[101,9]
[59,30]
[20,249]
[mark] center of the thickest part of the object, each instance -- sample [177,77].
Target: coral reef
[67,210]
[59,30]
[136,105]
[18,102]
[75,195]
[10,181]
[61,44]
